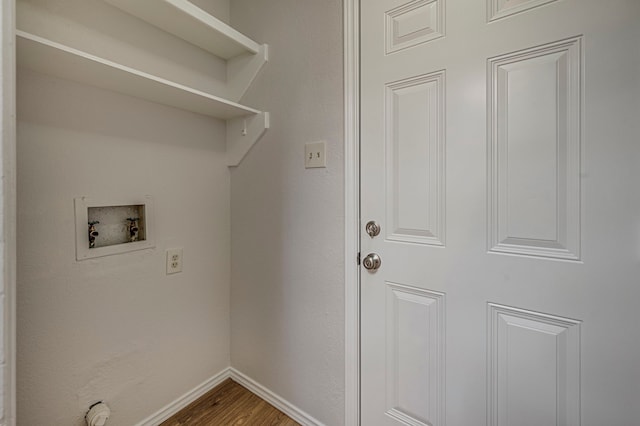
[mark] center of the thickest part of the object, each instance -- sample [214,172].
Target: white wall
[117,328]
[217,8]
[287,222]
[7,214]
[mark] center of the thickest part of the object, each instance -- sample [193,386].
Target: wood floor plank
[230,404]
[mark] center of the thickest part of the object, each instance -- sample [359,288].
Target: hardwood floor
[230,404]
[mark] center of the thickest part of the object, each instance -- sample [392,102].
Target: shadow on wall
[102,112]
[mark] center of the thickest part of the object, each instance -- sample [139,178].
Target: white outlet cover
[315,154]
[174,261]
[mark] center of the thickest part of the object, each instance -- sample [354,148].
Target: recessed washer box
[113,226]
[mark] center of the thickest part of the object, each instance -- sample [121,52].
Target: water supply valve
[93,233]
[133,229]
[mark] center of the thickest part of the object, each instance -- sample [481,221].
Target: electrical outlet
[315,155]
[174,261]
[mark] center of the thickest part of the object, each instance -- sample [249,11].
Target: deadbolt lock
[372,228]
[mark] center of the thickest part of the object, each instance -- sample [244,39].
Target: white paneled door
[500,144]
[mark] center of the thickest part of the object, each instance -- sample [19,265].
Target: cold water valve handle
[93,233]
[133,228]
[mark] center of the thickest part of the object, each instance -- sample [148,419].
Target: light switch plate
[315,154]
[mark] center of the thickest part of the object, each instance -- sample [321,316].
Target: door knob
[372,228]
[371,262]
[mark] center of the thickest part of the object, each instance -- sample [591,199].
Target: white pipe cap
[98,415]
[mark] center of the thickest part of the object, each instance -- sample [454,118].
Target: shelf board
[187,21]
[48,57]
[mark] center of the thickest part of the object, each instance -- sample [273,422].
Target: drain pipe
[98,414]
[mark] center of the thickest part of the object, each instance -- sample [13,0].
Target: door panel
[415,354]
[535,132]
[414,23]
[500,155]
[414,120]
[502,8]
[534,368]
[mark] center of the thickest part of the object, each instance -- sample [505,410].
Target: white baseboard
[186,399]
[277,401]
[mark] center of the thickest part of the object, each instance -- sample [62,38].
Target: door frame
[351,21]
[8,211]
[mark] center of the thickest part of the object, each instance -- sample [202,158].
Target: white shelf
[184,20]
[245,58]
[187,21]
[46,56]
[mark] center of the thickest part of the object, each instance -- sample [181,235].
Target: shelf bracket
[242,134]
[242,70]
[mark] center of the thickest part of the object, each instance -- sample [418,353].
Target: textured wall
[7,213]
[117,328]
[287,222]
[217,8]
